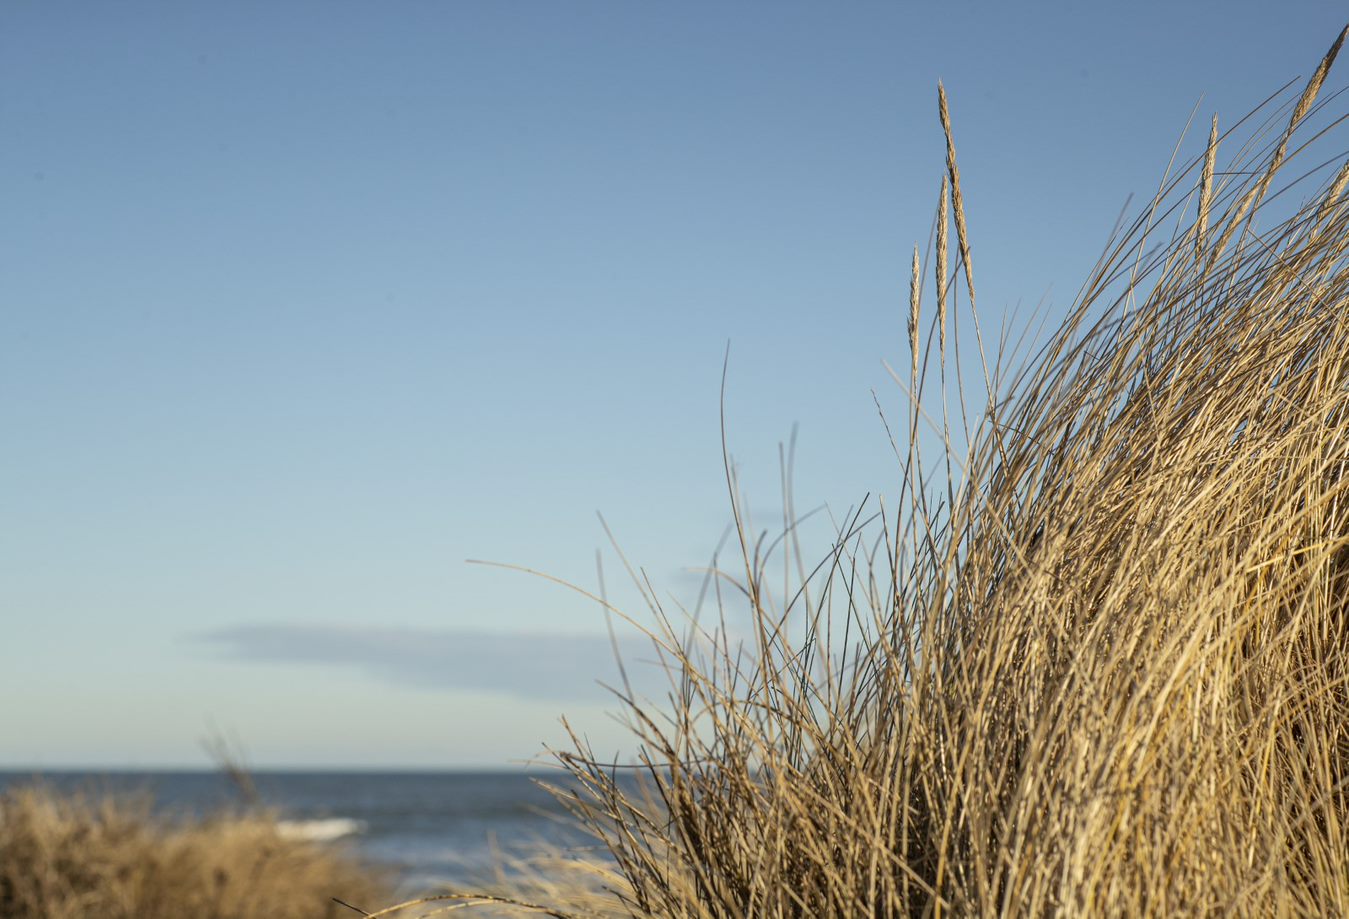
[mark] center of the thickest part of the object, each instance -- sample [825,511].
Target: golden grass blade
[1333,193]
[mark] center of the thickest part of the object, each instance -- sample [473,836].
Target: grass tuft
[1094,662]
[71,857]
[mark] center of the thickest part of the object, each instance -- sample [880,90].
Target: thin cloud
[561,667]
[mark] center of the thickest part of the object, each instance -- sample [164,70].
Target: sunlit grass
[1094,663]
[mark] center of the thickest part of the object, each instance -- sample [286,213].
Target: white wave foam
[323,830]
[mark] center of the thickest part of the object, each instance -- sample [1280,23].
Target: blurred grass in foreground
[73,857]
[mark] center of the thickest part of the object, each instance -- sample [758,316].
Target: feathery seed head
[958,198]
[1206,188]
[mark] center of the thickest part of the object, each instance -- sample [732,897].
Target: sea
[430,829]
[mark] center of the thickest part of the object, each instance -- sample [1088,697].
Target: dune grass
[72,857]
[1093,661]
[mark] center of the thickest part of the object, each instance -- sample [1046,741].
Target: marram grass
[1099,668]
[75,857]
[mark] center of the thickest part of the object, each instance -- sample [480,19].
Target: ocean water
[431,829]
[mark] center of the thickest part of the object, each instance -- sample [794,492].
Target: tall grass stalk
[1101,668]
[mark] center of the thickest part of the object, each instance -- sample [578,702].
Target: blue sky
[304,304]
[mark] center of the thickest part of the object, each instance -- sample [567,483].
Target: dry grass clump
[65,857]
[1095,661]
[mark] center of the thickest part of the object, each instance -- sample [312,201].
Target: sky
[302,305]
